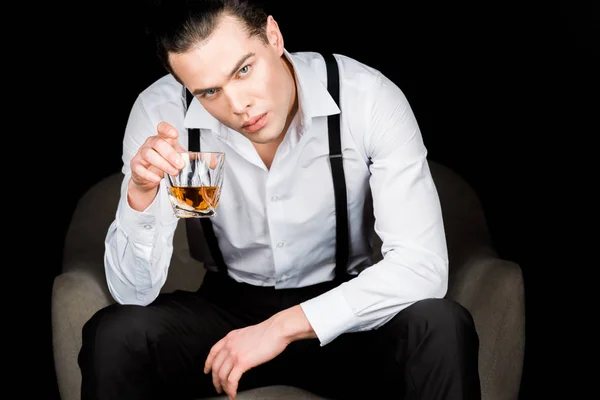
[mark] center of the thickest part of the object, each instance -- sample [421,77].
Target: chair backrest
[464,219]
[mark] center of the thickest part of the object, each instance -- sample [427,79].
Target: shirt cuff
[139,225]
[329,315]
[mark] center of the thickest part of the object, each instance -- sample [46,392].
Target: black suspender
[337,171]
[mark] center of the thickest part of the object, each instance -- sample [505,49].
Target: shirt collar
[313,99]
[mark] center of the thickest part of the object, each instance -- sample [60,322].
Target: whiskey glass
[195,191]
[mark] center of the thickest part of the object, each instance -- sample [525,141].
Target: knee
[443,316]
[114,329]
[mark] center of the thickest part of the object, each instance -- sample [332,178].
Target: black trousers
[427,351]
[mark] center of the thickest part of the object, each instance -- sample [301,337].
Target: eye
[209,93]
[244,70]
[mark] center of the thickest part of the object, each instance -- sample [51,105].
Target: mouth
[255,123]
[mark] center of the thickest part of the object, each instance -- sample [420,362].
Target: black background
[503,94]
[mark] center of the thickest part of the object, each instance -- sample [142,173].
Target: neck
[294,103]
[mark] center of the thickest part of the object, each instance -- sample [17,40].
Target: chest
[299,180]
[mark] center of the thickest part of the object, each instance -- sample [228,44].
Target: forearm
[293,324]
[371,299]
[138,249]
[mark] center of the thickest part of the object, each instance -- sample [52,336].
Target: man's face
[240,80]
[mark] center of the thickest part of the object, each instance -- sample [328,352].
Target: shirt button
[280,244]
[274,198]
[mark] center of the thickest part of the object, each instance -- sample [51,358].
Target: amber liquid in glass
[200,198]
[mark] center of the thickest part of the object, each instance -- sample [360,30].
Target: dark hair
[177,25]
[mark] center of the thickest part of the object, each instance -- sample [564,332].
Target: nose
[239,100]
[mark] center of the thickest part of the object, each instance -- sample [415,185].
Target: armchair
[490,287]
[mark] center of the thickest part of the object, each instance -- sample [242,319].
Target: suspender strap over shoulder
[337,168]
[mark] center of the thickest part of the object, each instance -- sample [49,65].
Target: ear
[274,35]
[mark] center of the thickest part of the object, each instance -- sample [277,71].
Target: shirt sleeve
[408,219]
[138,245]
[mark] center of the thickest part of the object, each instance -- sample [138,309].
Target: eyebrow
[234,70]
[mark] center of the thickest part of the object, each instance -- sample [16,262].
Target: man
[286,310]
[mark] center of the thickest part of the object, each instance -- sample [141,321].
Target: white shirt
[276,227]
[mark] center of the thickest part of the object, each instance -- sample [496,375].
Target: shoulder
[357,78]
[163,91]
[163,100]
[360,80]
[349,67]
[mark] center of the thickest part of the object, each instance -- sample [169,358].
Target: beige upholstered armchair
[490,287]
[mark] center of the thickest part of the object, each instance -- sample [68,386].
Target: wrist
[294,325]
[140,198]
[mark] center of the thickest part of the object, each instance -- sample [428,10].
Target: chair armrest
[492,290]
[76,296]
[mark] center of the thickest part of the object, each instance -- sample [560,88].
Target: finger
[211,159]
[178,147]
[216,369]
[233,381]
[223,373]
[164,157]
[167,131]
[216,349]
[145,173]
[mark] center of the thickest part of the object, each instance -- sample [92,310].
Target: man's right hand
[158,155]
